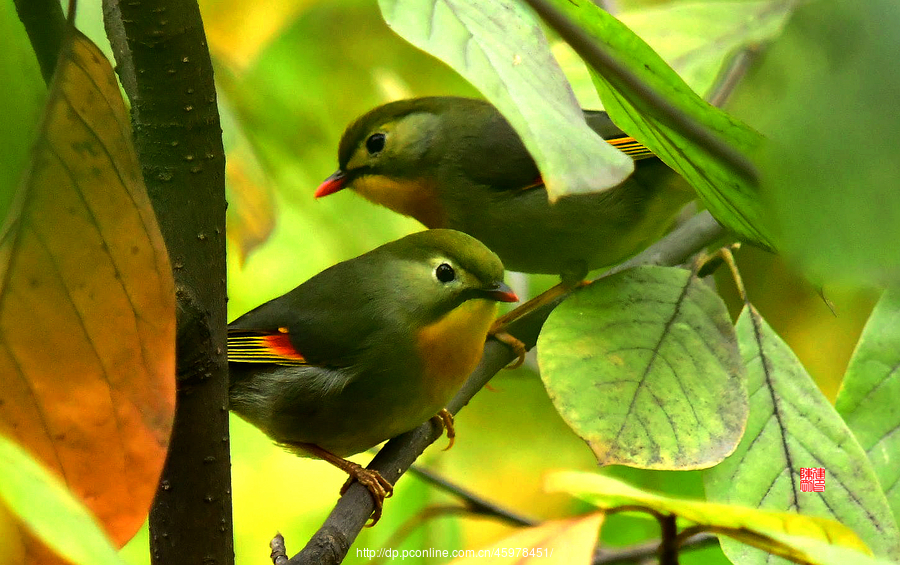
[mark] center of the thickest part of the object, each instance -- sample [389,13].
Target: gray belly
[309,404]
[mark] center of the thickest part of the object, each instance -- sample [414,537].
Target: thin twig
[691,533]
[473,502]
[735,273]
[598,56]
[726,82]
[634,508]
[330,544]
[640,552]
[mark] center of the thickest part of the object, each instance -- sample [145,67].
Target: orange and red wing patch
[259,347]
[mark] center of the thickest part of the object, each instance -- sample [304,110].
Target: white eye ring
[444,273]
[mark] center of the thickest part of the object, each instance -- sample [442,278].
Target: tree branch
[330,544]
[164,65]
[598,56]
[45,25]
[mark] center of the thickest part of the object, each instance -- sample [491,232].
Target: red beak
[501,293]
[332,184]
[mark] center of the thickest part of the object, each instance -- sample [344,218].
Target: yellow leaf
[562,542]
[762,528]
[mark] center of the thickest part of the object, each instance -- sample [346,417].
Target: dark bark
[164,65]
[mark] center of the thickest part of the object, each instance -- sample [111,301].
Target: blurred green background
[292,74]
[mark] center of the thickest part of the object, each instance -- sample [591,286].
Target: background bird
[453,162]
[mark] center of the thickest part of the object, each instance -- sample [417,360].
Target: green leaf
[698,38]
[824,95]
[24,90]
[733,200]
[868,396]
[793,426]
[50,511]
[500,48]
[644,366]
[772,531]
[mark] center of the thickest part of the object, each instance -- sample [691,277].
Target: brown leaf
[87,310]
[560,542]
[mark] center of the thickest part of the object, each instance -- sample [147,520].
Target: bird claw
[498,330]
[445,419]
[379,487]
[514,343]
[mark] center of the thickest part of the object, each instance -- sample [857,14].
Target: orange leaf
[87,309]
[561,542]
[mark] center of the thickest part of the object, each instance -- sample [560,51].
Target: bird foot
[379,487]
[511,341]
[445,419]
[498,330]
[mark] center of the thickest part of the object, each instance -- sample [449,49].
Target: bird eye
[375,143]
[444,273]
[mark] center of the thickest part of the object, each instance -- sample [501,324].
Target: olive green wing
[495,156]
[321,322]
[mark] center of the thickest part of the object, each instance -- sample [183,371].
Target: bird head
[436,271]
[391,154]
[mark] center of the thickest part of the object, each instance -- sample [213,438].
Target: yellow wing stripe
[269,349]
[631,147]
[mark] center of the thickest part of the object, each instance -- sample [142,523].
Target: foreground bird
[367,349]
[456,163]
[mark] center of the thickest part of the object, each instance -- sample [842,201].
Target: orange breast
[451,347]
[417,198]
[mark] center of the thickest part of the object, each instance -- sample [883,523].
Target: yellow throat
[452,346]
